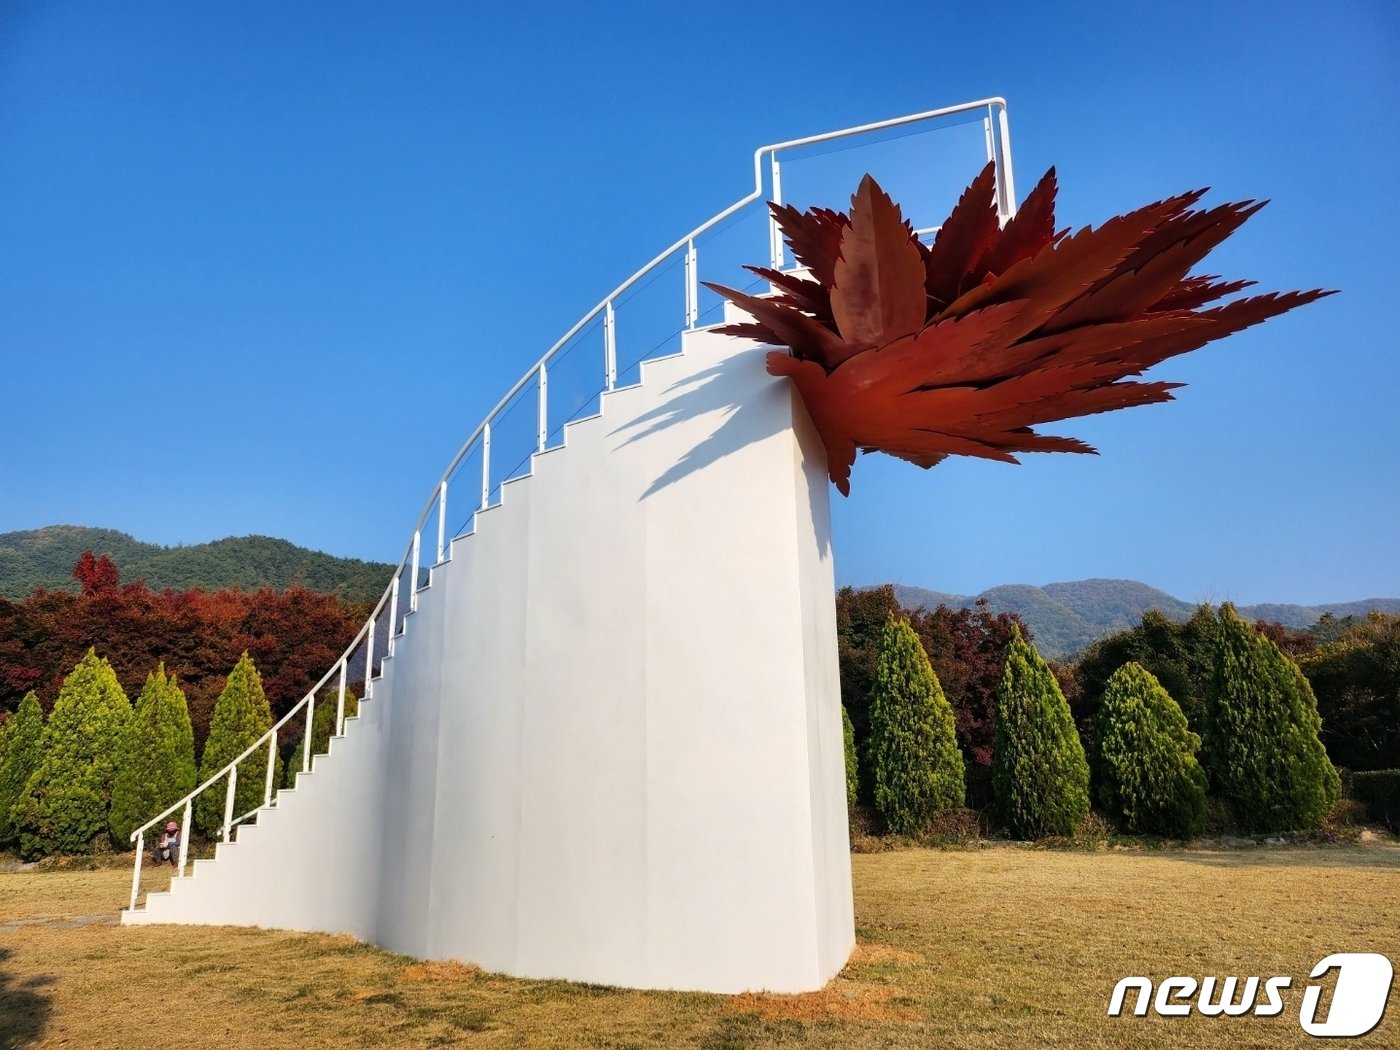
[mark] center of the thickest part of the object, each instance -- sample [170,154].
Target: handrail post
[442,521]
[185,836]
[136,871]
[271,765]
[1006,179]
[542,413]
[394,609]
[994,159]
[692,286]
[340,700]
[609,345]
[775,237]
[485,465]
[228,801]
[369,656]
[310,724]
[413,579]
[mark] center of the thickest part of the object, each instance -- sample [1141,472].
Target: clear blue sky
[264,266]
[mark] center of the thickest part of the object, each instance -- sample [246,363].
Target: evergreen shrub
[1148,778]
[1040,777]
[918,769]
[64,804]
[241,716]
[848,736]
[19,757]
[1262,749]
[156,766]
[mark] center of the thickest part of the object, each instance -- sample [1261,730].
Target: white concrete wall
[608,747]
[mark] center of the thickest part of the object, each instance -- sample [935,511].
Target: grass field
[978,948]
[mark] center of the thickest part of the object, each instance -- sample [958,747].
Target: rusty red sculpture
[959,348]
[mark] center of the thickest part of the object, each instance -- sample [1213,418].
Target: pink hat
[172,826]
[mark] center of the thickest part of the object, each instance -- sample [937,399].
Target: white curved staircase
[605,743]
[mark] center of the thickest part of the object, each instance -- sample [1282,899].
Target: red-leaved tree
[98,575]
[293,636]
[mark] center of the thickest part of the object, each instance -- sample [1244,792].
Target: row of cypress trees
[99,767]
[1262,749]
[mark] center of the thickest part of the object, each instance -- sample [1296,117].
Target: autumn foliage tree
[19,757]
[966,648]
[241,716]
[293,635]
[97,575]
[156,762]
[64,805]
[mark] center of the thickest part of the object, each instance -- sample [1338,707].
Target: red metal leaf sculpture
[960,347]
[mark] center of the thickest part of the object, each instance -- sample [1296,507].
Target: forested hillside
[45,557]
[1067,617]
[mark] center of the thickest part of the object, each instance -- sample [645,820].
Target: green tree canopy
[1355,675]
[241,716]
[1178,655]
[156,766]
[19,757]
[913,742]
[1148,777]
[65,802]
[1040,778]
[1261,734]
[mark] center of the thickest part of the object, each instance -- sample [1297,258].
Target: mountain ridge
[1068,616]
[45,557]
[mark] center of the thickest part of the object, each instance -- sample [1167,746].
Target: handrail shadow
[25,1008]
[741,396]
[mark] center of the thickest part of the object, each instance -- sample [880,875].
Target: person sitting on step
[168,847]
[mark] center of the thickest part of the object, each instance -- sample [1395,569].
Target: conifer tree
[322,725]
[848,736]
[918,769]
[241,716]
[1261,734]
[1040,778]
[64,804]
[156,765]
[1148,777]
[19,757]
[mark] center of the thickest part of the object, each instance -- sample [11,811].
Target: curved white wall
[608,747]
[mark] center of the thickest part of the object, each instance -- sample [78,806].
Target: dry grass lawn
[994,947]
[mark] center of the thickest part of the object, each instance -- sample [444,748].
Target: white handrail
[1004,166]
[999,150]
[212,778]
